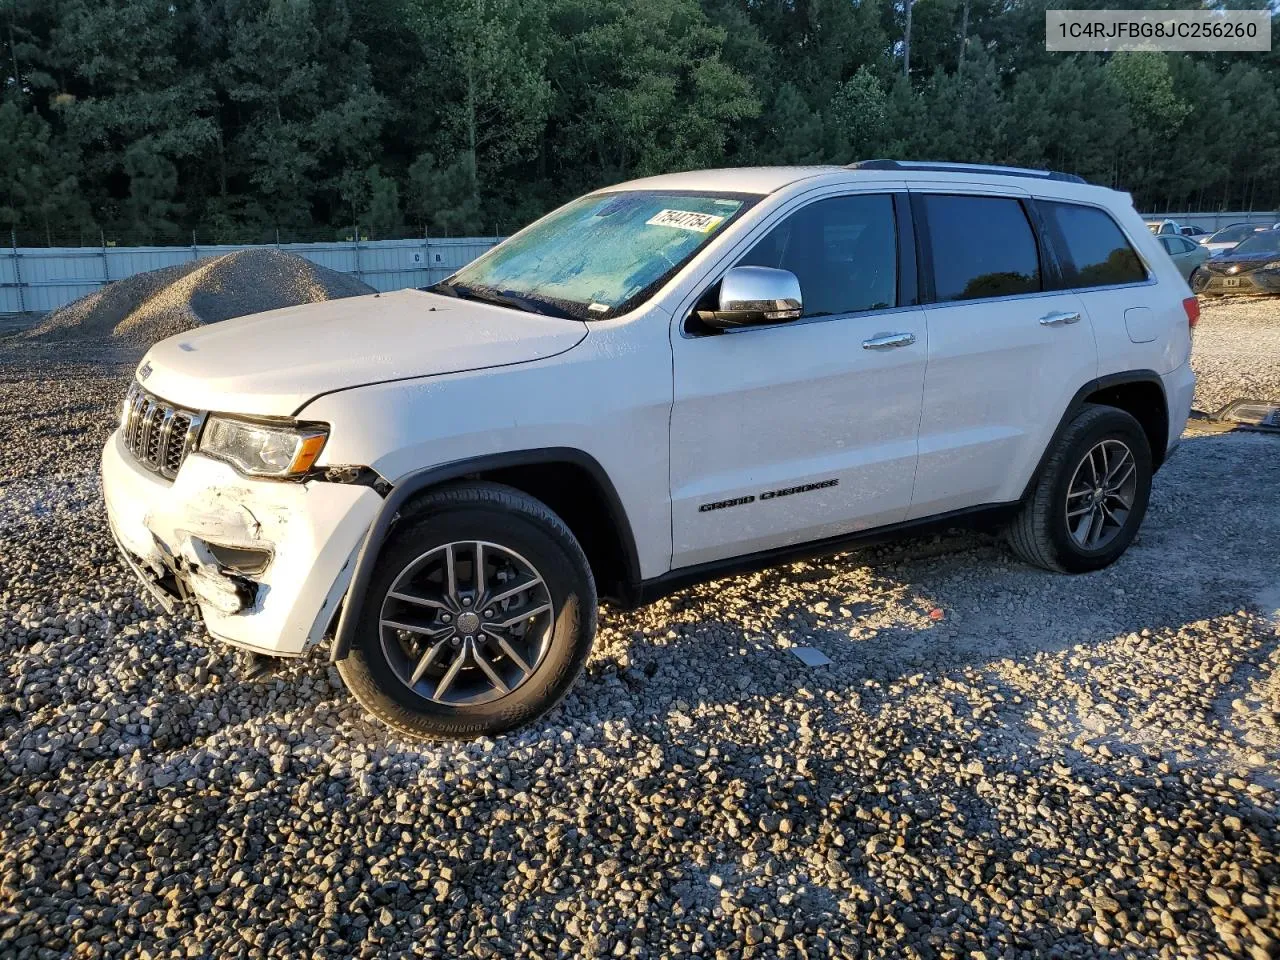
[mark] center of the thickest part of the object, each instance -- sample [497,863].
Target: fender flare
[419,480]
[1077,401]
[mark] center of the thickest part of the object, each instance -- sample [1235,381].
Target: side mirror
[751,296]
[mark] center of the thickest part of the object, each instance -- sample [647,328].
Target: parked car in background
[1186,254]
[1230,235]
[1253,266]
[1164,227]
[1191,230]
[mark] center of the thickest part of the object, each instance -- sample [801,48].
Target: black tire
[507,517]
[1040,533]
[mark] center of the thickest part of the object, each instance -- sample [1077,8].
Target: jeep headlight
[1273,265]
[263,449]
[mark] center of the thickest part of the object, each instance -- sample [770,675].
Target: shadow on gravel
[1196,560]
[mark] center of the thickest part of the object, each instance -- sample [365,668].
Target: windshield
[599,256]
[1234,234]
[1266,242]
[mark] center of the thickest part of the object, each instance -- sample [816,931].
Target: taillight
[1192,306]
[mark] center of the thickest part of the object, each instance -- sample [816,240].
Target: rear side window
[1094,250]
[980,246]
[843,250]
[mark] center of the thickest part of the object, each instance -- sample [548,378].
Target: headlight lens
[1273,265]
[261,449]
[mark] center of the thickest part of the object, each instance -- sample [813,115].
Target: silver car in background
[1186,254]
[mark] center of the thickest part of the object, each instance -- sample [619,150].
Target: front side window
[843,250]
[1094,250]
[600,256]
[980,246]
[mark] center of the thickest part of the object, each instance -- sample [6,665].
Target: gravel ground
[1237,352]
[998,762]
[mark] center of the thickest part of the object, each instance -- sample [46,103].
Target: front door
[806,429]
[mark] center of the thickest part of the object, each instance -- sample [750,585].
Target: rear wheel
[479,616]
[1090,497]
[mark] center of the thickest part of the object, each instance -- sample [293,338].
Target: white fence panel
[39,279]
[8,283]
[1214,222]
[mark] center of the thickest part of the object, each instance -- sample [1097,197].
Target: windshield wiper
[507,298]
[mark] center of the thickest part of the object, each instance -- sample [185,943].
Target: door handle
[889,340]
[1058,318]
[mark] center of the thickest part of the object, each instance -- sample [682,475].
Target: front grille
[1238,284]
[1231,269]
[156,433]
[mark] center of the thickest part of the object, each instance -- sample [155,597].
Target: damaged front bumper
[266,562]
[1211,283]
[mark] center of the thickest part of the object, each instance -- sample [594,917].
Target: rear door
[1182,252]
[1139,324]
[1007,348]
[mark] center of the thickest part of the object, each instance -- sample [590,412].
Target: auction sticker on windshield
[686,220]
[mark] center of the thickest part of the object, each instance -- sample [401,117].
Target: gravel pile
[998,762]
[150,306]
[1237,351]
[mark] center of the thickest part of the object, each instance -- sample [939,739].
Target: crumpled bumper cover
[265,562]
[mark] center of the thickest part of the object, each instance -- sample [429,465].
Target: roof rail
[992,169]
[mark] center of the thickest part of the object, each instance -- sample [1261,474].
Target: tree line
[244,119]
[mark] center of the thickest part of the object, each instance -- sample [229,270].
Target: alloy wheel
[466,623]
[1101,494]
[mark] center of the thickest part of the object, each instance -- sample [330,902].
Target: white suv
[658,383]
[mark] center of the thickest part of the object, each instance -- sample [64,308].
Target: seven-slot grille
[158,434]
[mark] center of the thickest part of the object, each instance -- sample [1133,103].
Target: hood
[1240,262]
[271,364]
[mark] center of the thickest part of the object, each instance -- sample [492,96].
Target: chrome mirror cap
[750,295]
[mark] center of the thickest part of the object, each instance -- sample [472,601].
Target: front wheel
[1090,497]
[479,617]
